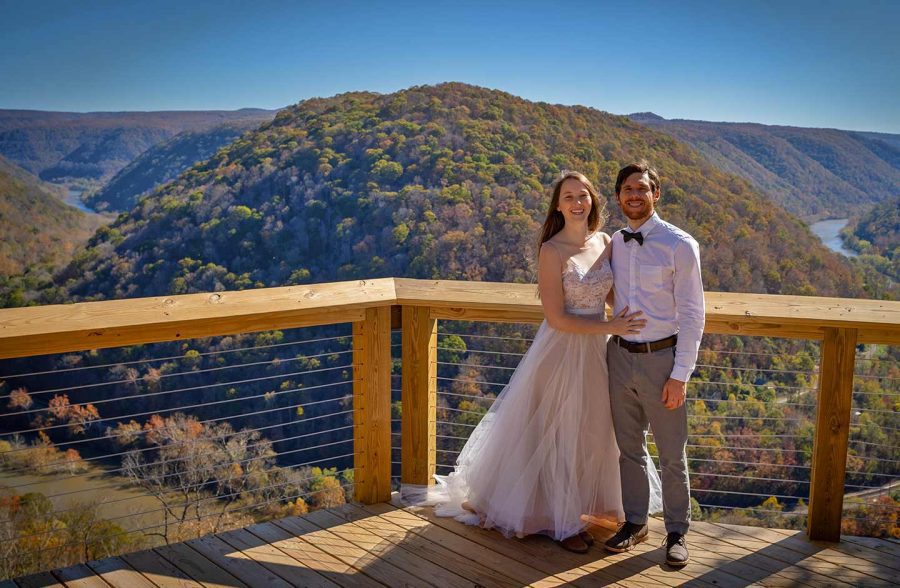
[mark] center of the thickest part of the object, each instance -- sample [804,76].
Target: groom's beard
[644,212]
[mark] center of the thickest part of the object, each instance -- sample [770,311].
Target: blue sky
[821,64]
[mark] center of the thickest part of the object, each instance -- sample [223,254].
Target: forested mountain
[814,173]
[91,147]
[36,226]
[445,181]
[876,236]
[432,182]
[892,140]
[163,162]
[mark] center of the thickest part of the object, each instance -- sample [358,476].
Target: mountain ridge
[434,181]
[91,147]
[36,227]
[813,172]
[163,162]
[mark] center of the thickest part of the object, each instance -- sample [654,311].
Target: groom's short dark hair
[641,167]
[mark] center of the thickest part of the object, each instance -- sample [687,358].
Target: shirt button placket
[632,278]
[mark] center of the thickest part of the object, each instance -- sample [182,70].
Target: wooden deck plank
[350,554]
[465,571]
[795,559]
[425,570]
[735,560]
[524,551]
[469,563]
[118,574]
[198,567]
[235,562]
[40,580]
[801,553]
[79,576]
[774,545]
[854,570]
[764,560]
[311,556]
[458,544]
[274,560]
[705,567]
[883,547]
[835,556]
[580,569]
[160,571]
[367,546]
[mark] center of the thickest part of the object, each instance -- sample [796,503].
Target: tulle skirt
[544,459]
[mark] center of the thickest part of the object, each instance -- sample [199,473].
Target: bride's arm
[607,253]
[553,301]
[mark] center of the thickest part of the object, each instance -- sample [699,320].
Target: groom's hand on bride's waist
[673,393]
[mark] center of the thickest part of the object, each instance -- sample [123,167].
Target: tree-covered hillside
[163,162]
[814,173]
[92,147]
[36,227]
[432,182]
[876,236]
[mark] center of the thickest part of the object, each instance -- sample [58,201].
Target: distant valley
[813,173]
[117,158]
[37,229]
[89,148]
[432,182]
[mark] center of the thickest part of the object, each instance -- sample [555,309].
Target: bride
[544,459]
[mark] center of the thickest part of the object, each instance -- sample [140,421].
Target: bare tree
[199,472]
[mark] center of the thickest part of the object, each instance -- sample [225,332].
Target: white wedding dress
[544,458]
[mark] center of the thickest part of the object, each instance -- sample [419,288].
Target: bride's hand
[626,324]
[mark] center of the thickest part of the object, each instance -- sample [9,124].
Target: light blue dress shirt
[662,279]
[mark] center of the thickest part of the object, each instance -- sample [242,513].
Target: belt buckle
[647,343]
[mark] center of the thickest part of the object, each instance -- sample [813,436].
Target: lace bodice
[586,290]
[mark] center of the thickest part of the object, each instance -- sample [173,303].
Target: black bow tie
[637,236]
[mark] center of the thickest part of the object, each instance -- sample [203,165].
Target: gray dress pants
[635,394]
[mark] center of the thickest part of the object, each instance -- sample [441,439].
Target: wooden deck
[382,545]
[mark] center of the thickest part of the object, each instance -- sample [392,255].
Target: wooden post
[372,406]
[419,395]
[829,465]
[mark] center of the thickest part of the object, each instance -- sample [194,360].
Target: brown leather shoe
[575,544]
[587,538]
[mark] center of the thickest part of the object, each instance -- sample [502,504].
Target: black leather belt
[647,347]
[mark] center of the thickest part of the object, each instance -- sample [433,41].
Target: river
[829,232]
[74,199]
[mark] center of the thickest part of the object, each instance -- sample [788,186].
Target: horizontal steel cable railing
[234,429]
[755,467]
[753,408]
[872,501]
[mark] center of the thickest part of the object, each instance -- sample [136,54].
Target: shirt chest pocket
[652,277]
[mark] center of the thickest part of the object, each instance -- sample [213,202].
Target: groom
[656,267]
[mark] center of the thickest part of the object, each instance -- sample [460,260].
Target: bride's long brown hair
[555,220]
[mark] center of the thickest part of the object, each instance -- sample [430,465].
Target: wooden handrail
[839,323]
[61,328]
[64,328]
[757,315]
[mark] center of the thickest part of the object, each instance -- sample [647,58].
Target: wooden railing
[374,306]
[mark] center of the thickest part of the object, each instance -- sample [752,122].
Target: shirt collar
[649,224]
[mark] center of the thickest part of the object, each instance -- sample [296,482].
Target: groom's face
[637,198]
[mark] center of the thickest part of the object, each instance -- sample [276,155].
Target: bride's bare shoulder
[607,245]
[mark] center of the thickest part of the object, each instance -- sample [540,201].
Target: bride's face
[574,201]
